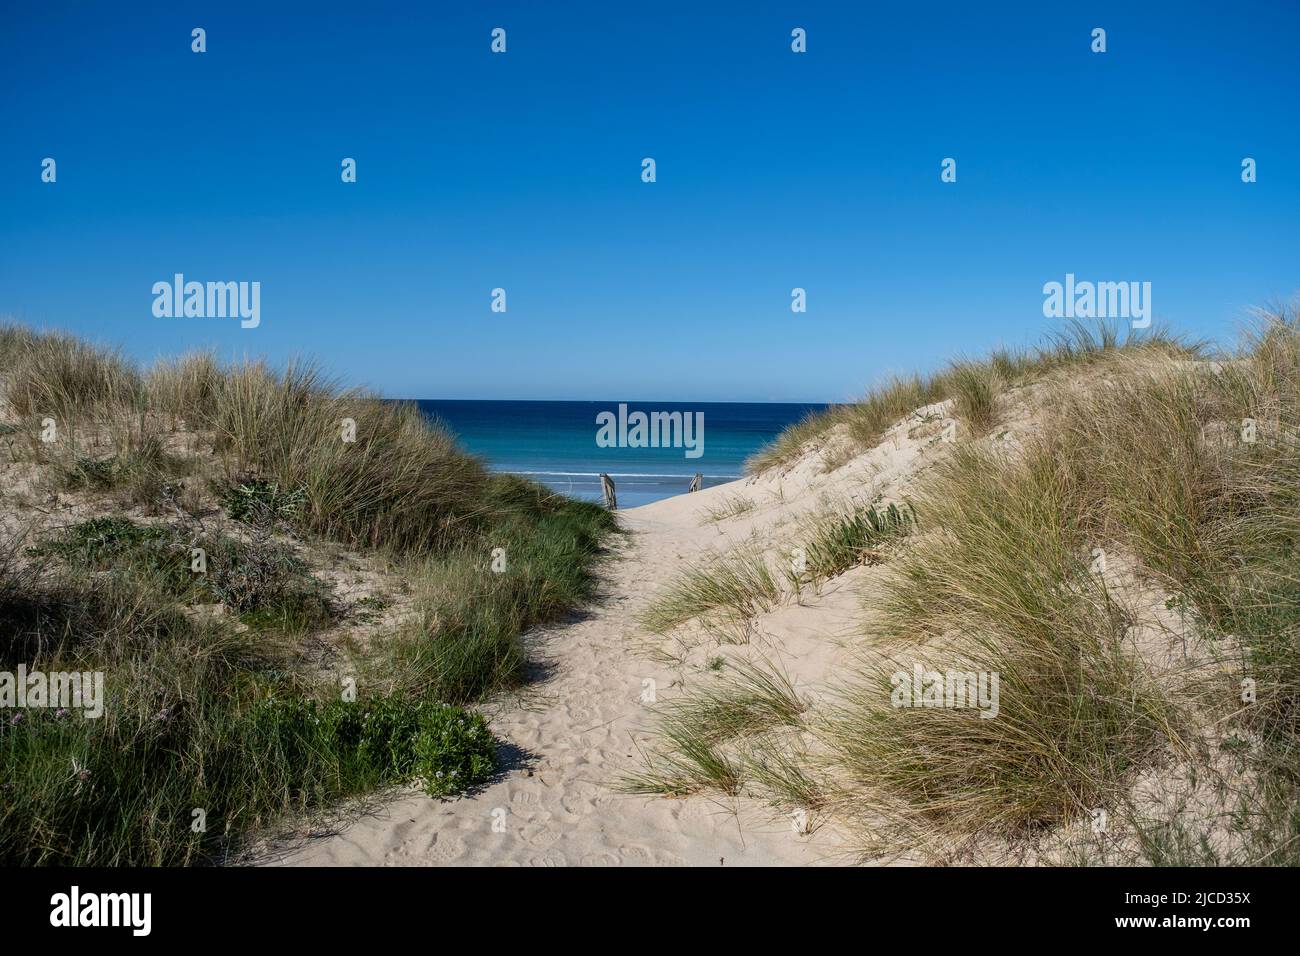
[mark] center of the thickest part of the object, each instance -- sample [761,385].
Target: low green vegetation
[263,502]
[174,785]
[262,579]
[747,700]
[446,748]
[98,540]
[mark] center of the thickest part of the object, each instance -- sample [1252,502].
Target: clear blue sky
[522,170]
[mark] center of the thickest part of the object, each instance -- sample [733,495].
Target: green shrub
[253,575]
[389,738]
[258,501]
[98,541]
[94,473]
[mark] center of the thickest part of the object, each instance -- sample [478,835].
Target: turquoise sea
[555,443]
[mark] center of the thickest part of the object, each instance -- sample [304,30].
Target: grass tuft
[730,506]
[847,536]
[694,731]
[723,597]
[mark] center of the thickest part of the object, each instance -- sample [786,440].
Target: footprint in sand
[637,855]
[540,836]
[691,810]
[583,717]
[523,799]
[445,848]
[578,805]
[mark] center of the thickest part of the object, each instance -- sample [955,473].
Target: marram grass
[226,713]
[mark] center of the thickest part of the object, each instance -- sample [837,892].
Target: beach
[556,443]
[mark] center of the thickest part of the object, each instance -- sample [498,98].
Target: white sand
[578,728]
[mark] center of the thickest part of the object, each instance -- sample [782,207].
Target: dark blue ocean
[555,443]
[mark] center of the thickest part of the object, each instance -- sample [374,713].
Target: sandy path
[577,728]
[573,733]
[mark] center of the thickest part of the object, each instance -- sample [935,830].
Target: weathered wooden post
[695,483]
[607,486]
